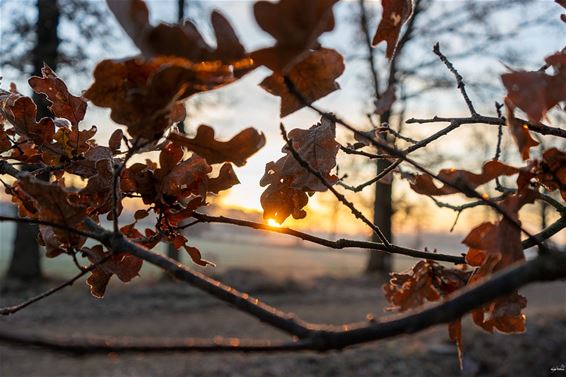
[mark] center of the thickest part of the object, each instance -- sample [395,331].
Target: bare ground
[175,310]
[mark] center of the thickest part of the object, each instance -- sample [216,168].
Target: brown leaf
[63,104]
[97,194]
[519,131]
[553,171]
[143,94]
[53,204]
[125,266]
[115,141]
[537,92]
[183,41]
[280,201]
[462,179]
[395,14]
[503,314]
[196,256]
[412,288]
[225,180]
[21,112]
[501,246]
[187,177]
[5,143]
[319,148]
[313,77]
[295,25]
[237,150]
[288,182]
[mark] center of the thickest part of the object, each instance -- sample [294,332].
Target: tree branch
[339,244]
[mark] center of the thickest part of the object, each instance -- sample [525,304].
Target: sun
[273,223]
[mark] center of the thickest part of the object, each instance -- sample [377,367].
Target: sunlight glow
[273,222]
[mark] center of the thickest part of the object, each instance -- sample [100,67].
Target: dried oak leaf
[295,25]
[115,141]
[226,179]
[21,112]
[86,165]
[175,180]
[411,289]
[237,150]
[395,14]
[427,281]
[125,266]
[495,246]
[313,77]
[97,194]
[143,95]
[184,41]
[149,240]
[5,143]
[552,172]
[53,204]
[179,241]
[187,177]
[503,314]
[519,131]
[537,92]
[63,104]
[463,180]
[70,142]
[288,182]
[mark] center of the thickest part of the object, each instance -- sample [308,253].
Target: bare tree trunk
[25,263]
[382,206]
[382,214]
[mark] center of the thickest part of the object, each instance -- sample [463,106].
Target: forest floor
[172,309]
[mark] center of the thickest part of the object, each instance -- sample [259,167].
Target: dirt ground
[176,310]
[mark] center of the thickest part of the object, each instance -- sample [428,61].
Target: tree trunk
[25,262]
[381,263]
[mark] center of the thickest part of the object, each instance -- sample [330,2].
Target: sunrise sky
[244,104]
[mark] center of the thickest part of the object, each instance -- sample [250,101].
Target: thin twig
[338,244]
[459,78]
[16,308]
